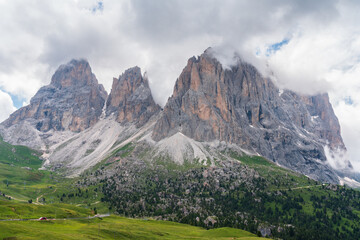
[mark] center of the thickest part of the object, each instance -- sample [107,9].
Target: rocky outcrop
[240,106]
[130,99]
[73,101]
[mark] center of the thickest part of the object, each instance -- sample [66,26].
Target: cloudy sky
[309,46]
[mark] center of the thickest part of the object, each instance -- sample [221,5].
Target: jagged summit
[130,99]
[239,106]
[72,101]
[77,72]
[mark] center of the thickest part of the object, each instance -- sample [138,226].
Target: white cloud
[159,36]
[349,116]
[6,106]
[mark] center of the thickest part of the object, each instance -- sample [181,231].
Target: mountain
[73,101]
[71,121]
[239,106]
[212,108]
[130,111]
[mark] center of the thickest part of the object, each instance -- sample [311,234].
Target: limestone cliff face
[130,99]
[240,106]
[73,101]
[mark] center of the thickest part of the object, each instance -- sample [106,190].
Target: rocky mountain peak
[75,73]
[130,99]
[240,106]
[72,101]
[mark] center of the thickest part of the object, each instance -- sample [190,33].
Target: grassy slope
[296,185]
[19,174]
[18,155]
[14,210]
[115,228]
[288,198]
[21,180]
[280,178]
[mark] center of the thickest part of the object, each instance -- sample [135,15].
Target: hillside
[20,178]
[246,192]
[115,228]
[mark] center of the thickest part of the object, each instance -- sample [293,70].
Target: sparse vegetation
[250,193]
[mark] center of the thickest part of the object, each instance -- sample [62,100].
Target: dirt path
[294,188]
[305,187]
[37,199]
[80,204]
[14,198]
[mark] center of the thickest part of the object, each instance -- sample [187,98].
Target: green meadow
[114,227]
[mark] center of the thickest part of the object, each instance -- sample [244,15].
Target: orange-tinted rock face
[73,101]
[240,106]
[130,98]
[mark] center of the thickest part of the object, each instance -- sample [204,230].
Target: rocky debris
[84,149]
[332,187]
[265,230]
[130,99]
[73,101]
[210,221]
[187,190]
[179,148]
[240,106]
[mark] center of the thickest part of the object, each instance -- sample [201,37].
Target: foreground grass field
[114,227]
[13,210]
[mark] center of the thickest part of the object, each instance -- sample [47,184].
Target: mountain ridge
[210,104]
[240,106]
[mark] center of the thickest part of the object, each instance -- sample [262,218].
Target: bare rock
[130,99]
[73,101]
[240,106]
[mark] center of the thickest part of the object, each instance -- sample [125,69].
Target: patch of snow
[310,133]
[281,91]
[299,132]
[299,144]
[103,112]
[314,118]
